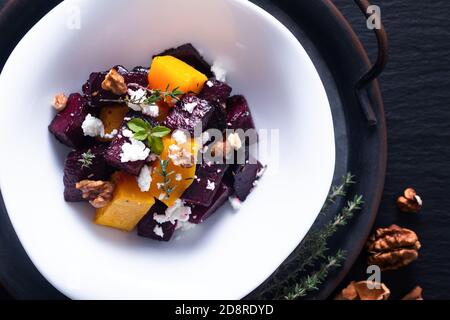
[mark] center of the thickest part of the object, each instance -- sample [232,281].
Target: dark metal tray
[355,100]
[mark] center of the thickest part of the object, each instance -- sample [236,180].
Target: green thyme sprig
[151,98]
[338,191]
[163,172]
[311,282]
[143,131]
[284,282]
[86,159]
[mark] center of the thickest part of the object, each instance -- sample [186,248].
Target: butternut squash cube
[128,206]
[112,117]
[174,73]
[180,178]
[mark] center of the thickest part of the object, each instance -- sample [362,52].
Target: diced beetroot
[207,175]
[191,56]
[201,213]
[114,151]
[76,170]
[244,179]
[66,126]
[208,115]
[93,87]
[215,91]
[146,227]
[238,114]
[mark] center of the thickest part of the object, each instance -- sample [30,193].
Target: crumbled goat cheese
[144,179]
[111,135]
[127,133]
[151,110]
[180,156]
[219,71]
[158,231]
[210,185]
[235,203]
[178,212]
[179,136]
[209,84]
[136,97]
[134,151]
[178,177]
[189,107]
[235,141]
[93,127]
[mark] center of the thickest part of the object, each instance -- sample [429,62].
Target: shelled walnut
[393,248]
[409,201]
[115,83]
[364,290]
[99,193]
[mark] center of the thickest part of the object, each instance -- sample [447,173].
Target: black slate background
[416,90]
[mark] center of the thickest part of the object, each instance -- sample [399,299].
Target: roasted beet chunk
[113,154]
[66,126]
[205,186]
[238,114]
[215,91]
[149,228]
[245,176]
[191,56]
[87,163]
[192,111]
[93,87]
[201,213]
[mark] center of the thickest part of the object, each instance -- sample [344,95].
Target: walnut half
[393,248]
[409,201]
[115,83]
[99,193]
[59,102]
[364,290]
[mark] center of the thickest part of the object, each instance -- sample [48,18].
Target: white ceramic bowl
[230,254]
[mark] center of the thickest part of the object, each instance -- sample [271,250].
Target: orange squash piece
[128,206]
[112,117]
[185,175]
[168,71]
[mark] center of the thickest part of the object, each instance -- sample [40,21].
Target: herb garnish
[151,98]
[166,187]
[143,131]
[86,159]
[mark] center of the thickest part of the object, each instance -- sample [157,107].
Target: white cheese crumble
[180,156]
[136,98]
[133,151]
[209,84]
[189,107]
[159,185]
[162,195]
[93,127]
[235,141]
[178,177]
[219,71]
[178,212]
[110,135]
[144,179]
[179,136]
[151,110]
[158,231]
[235,203]
[210,185]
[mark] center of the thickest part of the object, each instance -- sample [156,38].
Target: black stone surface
[416,90]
